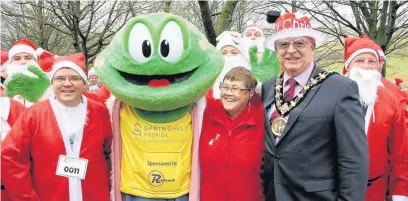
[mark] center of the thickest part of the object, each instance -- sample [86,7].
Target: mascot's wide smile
[159,62]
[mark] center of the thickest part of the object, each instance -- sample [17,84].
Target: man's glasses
[224,88]
[72,79]
[284,44]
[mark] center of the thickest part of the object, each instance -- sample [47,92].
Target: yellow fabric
[152,152]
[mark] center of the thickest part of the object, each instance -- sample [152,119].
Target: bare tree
[90,25]
[20,20]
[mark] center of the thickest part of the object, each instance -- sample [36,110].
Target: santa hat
[252,26]
[46,60]
[4,59]
[75,62]
[355,46]
[91,73]
[288,25]
[24,46]
[231,38]
[398,81]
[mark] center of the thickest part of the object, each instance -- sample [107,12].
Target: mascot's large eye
[171,44]
[140,43]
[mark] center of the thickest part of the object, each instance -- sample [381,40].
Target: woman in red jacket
[232,141]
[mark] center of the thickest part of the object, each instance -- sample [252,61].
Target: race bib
[72,167]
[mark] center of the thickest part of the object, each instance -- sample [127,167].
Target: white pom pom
[250,22]
[39,51]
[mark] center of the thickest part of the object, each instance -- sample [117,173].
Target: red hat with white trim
[4,59]
[288,25]
[24,45]
[355,46]
[75,62]
[252,26]
[46,60]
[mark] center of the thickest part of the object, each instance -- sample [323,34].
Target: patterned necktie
[288,96]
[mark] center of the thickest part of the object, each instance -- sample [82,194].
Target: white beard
[367,81]
[249,43]
[230,62]
[16,68]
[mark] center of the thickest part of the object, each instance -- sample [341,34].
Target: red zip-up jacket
[231,153]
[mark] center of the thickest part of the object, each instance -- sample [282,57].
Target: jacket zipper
[228,149]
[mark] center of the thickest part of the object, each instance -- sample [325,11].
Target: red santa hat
[355,46]
[231,38]
[4,59]
[91,73]
[252,26]
[24,46]
[398,81]
[75,62]
[288,25]
[46,60]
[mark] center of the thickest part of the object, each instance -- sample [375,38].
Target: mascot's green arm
[267,67]
[29,87]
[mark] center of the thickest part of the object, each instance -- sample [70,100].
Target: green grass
[397,67]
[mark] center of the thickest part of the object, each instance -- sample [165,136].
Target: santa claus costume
[50,130]
[253,39]
[9,112]
[25,46]
[233,39]
[385,128]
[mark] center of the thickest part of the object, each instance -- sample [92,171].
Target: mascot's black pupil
[164,48]
[146,48]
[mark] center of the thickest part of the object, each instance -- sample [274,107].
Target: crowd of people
[304,134]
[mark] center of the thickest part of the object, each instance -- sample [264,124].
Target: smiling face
[159,62]
[68,87]
[295,54]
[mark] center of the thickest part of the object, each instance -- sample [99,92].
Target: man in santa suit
[9,112]
[23,53]
[384,123]
[68,138]
[389,85]
[253,36]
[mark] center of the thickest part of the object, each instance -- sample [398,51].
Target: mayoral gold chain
[284,107]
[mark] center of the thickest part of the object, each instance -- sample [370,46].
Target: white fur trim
[356,53]
[47,94]
[399,198]
[91,72]
[68,64]
[110,103]
[201,105]
[39,51]
[22,49]
[318,36]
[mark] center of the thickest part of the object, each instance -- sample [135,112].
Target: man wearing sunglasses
[321,154]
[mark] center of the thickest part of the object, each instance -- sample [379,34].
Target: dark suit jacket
[323,153]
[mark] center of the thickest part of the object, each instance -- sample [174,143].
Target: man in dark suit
[322,153]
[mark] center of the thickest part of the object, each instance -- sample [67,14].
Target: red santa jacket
[16,109]
[231,153]
[36,135]
[400,95]
[388,149]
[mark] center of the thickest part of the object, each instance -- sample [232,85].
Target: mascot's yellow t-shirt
[156,157]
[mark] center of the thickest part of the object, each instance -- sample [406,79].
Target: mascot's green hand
[267,67]
[30,87]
